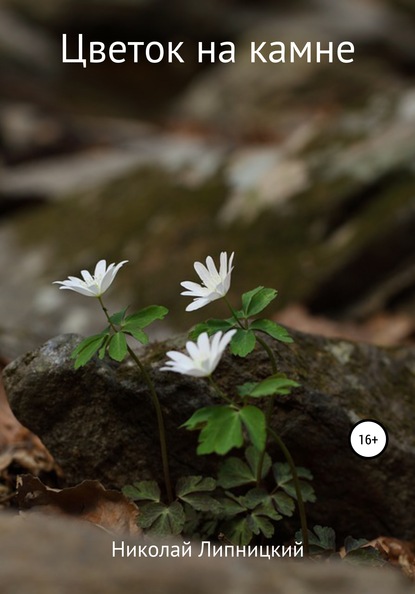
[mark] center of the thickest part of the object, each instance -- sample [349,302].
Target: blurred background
[306,171]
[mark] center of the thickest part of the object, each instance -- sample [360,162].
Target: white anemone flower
[215,283]
[93,285]
[203,356]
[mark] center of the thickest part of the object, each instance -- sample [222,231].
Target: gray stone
[99,422]
[56,556]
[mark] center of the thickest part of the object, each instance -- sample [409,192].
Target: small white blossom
[215,284]
[92,285]
[203,357]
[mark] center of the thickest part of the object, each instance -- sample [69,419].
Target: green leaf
[238,531]
[143,491]
[162,520]
[117,348]
[275,384]
[211,327]
[256,300]
[323,538]
[243,342]
[254,420]
[284,480]
[231,505]
[87,349]
[262,503]
[352,544]
[255,497]
[272,329]
[233,472]
[284,503]
[221,429]
[358,553]
[118,317]
[138,334]
[202,502]
[103,349]
[259,523]
[193,484]
[192,490]
[145,317]
[253,455]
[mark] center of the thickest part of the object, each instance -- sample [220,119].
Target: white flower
[215,284]
[203,357]
[92,286]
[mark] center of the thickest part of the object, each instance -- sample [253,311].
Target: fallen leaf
[400,553]
[88,501]
[382,329]
[19,445]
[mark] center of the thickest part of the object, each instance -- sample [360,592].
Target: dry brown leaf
[19,445]
[400,553]
[382,329]
[88,501]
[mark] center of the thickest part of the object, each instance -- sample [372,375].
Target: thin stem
[219,391]
[160,422]
[159,412]
[296,481]
[233,312]
[269,408]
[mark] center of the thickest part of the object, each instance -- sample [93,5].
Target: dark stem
[269,408]
[159,412]
[296,481]
[219,391]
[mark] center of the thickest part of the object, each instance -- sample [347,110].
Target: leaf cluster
[244,340]
[193,494]
[322,540]
[259,507]
[232,504]
[113,339]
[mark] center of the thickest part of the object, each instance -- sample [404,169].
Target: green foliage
[211,327]
[208,506]
[272,329]
[243,342]
[134,323]
[254,421]
[143,491]
[222,427]
[274,384]
[195,491]
[253,302]
[322,541]
[118,317]
[114,341]
[359,553]
[234,472]
[88,348]
[255,515]
[117,346]
[162,520]
[284,480]
[145,317]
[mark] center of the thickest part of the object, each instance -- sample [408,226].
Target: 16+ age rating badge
[368,439]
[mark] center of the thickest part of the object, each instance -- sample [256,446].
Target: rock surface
[99,422]
[49,555]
